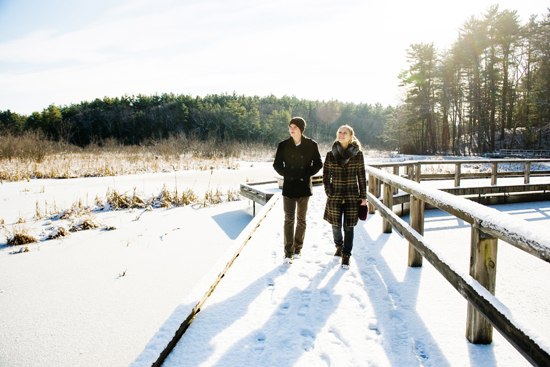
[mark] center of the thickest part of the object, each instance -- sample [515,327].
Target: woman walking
[345,184]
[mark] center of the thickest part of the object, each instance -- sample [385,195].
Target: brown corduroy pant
[295,211]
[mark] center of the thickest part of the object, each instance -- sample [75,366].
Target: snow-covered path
[313,313]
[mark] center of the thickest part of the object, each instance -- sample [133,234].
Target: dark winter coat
[344,178]
[297,164]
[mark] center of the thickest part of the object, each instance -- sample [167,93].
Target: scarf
[343,156]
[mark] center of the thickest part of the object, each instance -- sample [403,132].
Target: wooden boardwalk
[392,324]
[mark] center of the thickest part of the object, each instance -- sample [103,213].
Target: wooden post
[416,221]
[527,173]
[377,184]
[457,174]
[483,268]
[396,172]
[410,172]
[494,174]
[388,202]
[417,170]
[372,180]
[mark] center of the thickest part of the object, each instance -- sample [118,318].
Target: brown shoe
[345,261]
[338,251]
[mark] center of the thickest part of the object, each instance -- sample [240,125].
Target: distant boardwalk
[519,153]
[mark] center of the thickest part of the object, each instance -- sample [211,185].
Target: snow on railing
[413,169]
[484,310]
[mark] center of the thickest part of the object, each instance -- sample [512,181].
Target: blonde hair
[354,140]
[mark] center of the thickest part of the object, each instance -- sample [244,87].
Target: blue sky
[67,51]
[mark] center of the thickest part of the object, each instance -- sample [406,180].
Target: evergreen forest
[490,90]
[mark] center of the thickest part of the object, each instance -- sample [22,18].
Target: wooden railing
[413,169]
[488,225]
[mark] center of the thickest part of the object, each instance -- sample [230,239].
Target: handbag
[363,211]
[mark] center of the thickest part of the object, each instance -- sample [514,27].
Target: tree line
[489,91]
[134,120]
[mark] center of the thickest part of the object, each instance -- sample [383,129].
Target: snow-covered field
[97,298]
[65,303]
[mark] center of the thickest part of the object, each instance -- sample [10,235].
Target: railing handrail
[461,161]
[516,231]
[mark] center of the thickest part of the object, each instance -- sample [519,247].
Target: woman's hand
[363,202]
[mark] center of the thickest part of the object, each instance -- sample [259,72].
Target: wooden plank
[486,190]
[255,197]
[463,161]
[478,175]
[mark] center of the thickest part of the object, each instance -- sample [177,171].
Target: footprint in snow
[283,310]
[308,340]
[303,310]
[304,307]
[420,351]
[259,343]
[373,330]
[325,297]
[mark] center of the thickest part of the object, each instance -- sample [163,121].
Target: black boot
[345,261]
[338,251]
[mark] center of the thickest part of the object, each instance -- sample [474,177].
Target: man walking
[297,159]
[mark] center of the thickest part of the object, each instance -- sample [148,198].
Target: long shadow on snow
[213,320]
[409,341]
[283,338]
[223,315]
[232,223]
[397,314]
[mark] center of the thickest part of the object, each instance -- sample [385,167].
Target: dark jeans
[294,239]
[347,240]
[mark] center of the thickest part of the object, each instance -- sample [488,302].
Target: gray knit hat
[299,122]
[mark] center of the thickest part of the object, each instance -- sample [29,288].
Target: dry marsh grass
[19,235]
[81,217]
[31,156]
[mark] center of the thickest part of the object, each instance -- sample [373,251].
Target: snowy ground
[96,298]
[378,313]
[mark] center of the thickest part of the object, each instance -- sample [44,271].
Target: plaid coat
[344,181]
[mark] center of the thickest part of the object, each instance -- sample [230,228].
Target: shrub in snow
[19,235]
[84,224]
[58,232]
